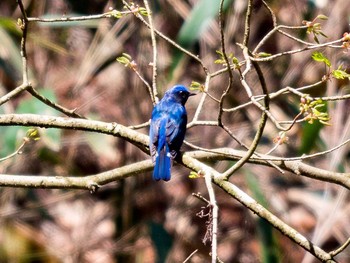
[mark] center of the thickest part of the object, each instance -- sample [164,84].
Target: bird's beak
[192,94]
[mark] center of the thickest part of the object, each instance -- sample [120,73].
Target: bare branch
[115,129]
[91,182]
[154,46]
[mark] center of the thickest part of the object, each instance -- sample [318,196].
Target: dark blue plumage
[167,131]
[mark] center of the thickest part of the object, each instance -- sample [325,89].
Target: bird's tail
[163,160]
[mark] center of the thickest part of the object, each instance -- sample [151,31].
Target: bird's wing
[172,129]
[153,134]
[154,129]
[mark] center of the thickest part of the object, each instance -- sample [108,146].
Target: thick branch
[141,141]
[115,129]
[91,182]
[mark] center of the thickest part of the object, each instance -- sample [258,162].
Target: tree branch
[91,182]
[138,139]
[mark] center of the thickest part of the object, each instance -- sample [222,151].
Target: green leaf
[340,74]
[311,131]
[322,17]
[319,57]
[33,133]
[194,175]
[219,61]
[143,11]
[51,137]
[323,34]
[197,86]
[263,55]
[235,61]
[125,59]
[117,14]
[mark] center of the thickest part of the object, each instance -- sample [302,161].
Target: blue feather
[167,131]
[163,161]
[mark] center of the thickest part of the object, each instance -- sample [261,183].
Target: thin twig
[247,24]
[154,46]
[54,105]
[18,151]
[160,34]
[14,93]
[229,72]
[140,126]
[340,249]
[76,18]
[24,27]
[264,114]
[191,255]
[294,51]
[202,100]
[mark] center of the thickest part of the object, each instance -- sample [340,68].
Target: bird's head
[179,93]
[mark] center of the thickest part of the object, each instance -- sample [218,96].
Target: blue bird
[167,131]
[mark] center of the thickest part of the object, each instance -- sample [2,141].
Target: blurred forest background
[137,219]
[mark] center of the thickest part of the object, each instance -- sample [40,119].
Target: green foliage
[143,11]
[222,61]
[314,110]
[194,175]
[126,60]
[197,86]
[262,55]
[116,13]
[134,8]
[340,73]
[137,9]
[318,56]
[33,134]
[314,27]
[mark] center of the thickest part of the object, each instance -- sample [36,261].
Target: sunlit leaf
[318,56]
[340,74]
[263,55]
[33,133]
[322,17]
